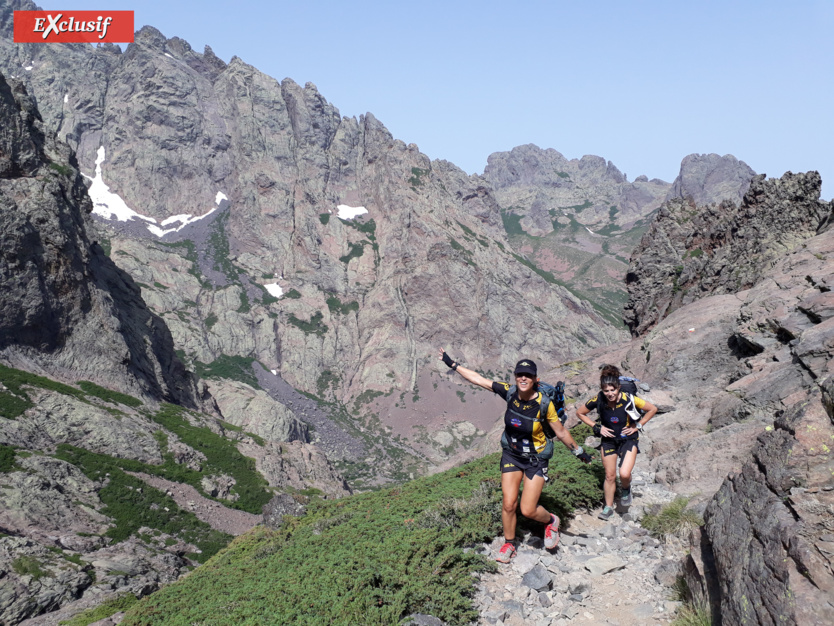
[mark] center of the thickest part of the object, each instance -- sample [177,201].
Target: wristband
[639,427]
[455,369]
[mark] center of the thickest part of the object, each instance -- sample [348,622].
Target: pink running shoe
[551,533]
[506,552]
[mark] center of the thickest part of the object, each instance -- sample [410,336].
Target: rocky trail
[603,572]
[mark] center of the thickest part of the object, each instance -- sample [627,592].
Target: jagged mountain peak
[708,178]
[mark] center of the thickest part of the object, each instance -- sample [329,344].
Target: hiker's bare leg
[510,482]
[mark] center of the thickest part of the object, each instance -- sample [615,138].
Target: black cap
[526,366]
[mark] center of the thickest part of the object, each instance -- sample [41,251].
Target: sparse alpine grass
[693,614]
[119,603]
[372,558]
[673,520]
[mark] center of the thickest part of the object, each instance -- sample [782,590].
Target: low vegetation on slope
[373,558]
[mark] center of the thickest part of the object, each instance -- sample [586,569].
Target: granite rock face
[692,251]
[364,301]
[749,372]
[711,179]
[59,289]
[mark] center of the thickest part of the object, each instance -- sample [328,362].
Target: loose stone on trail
[603,565]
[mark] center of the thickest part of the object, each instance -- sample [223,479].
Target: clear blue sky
[641,84]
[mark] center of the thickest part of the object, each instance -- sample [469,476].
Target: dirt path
[212,513]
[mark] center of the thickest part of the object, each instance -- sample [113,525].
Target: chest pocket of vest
[544,455]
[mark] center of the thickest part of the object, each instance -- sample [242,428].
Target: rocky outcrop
[777,512]
[256,412]
[711,179]
[749,373]
[297,466]
[60,290]
[692,251]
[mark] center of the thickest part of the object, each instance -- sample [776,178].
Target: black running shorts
[531,466]
[620,447]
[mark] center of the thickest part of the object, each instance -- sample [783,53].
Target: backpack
[550,395]
[629,385]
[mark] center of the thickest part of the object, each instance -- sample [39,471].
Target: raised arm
[471,375]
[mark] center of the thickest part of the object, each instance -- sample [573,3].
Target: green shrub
[293,294]
[416,176]
[190,255]
[132,503]
[337,306]
[673,520]
[367,228]
[244,307]
[324,218]
[6,458]
[14,379]
[211,320]
[314,327]
[372,558]
[356,251]
[13,406]
[29,566]
[218,249]
[63,170]
[120,603]
[222,456]
[580,207]
[237,368]
[108,395]
[512,223]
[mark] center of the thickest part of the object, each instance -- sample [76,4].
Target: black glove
[449,362]
[583,456]
[597,428]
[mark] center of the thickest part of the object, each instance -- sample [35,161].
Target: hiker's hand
[606,432]
[629,431]
[584,457]
[597,428]
[445,358]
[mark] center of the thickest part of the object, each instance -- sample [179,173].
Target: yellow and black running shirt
[521,420]
[617,418]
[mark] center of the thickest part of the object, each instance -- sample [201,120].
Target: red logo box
[73,26]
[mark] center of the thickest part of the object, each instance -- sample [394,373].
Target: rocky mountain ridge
[88,428]
[365,241]
[694,250]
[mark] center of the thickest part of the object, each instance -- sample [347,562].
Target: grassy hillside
[373,558]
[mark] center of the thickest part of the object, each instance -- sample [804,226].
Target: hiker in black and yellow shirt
[620,423]
[526,449]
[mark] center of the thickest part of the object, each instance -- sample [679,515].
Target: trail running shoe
[606,513]
[551,533]
[506,552]
[625,497]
